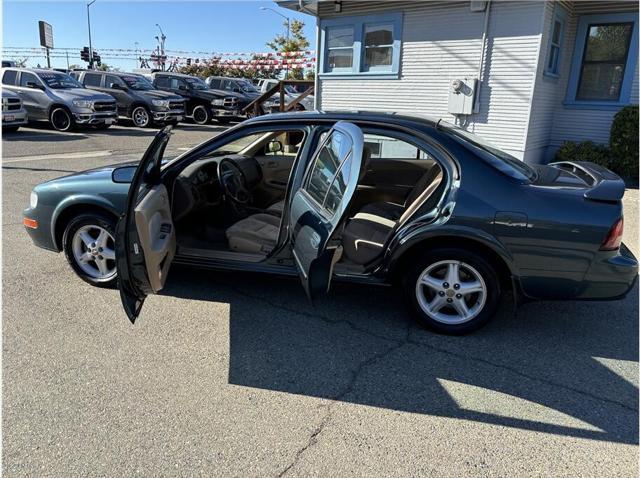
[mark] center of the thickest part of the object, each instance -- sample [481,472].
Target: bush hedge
[621,156]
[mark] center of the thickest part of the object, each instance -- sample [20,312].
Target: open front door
[319,206]
[145,236]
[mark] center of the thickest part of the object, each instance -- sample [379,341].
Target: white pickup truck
[291,94]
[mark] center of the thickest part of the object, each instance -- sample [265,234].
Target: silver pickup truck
[13,113]
[56,97]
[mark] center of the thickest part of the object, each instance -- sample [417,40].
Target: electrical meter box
[462,95]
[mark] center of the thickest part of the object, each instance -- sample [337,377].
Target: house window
[362,46]
[552,67]
[604,61]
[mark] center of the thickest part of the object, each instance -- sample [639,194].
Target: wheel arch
[66,213]
[137,103]
[58,105]
[498,258]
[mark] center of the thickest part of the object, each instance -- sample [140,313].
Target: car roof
[35,70]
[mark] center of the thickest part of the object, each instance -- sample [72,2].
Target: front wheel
[89,247]
[201,115]
[141,117]
[61,119]
[452,290]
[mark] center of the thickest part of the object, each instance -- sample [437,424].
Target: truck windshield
[197,83]
[500,160]
[138,83]
[59,81]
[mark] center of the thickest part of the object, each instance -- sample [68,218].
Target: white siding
[441,42]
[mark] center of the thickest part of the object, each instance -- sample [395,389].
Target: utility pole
[288,29]
[89,25]
[161,40]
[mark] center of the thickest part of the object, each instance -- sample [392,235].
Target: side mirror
[123,175]
[274,146]
[34,85]
[116,86]
[182,88]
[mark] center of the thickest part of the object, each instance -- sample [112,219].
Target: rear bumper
[610,277]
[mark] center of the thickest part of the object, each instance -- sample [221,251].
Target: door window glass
[215,84]
[162,82]
[112,79]
[176,83]
[387,147]
[91,79]
[26,77]
[9,77]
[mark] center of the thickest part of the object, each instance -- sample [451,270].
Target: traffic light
[96,58]
[188,61]
[84,54]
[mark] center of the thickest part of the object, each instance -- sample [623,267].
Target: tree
[296,42]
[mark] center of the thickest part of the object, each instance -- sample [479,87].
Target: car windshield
[59,81]
[197,83]
[138,83]
[246,86]
[500,160]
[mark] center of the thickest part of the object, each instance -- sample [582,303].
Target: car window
[162,82]
[214,83]
[176,83]
[291,142]
[27,77]
[92,79]
[228,85]
[329,175]
[59,81]
[137,83]
[9,77]
[387,147]
[109,79]
[196,83]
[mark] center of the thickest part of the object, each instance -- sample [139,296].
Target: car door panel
[313,224]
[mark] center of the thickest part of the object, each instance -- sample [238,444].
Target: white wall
[441,42]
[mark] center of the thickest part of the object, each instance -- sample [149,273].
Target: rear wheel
[452,290]
[141,117]
[61,119]
[201,114]
[89,247]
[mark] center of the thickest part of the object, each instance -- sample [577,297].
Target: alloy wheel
[200,115]
[60,119]
[451,292]
[94,252]
[140,117]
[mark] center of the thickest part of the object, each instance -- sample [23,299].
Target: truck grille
[231,102]
[176,105]
[12,104]
[105,106]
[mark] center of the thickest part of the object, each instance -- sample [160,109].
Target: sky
[221,26]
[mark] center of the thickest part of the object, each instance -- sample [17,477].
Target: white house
[548,71]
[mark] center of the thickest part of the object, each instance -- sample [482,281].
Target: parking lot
[231,374]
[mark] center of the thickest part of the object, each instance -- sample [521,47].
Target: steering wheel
[233,182]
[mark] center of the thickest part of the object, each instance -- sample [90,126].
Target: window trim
[358,68]
[578,54]
[560,16]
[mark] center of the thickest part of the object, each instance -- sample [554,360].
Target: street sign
[46,34]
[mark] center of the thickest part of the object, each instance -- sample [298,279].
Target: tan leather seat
[257,234]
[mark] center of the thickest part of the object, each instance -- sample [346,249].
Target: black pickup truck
[135,96]
[202,103]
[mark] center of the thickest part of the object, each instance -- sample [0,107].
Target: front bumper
[96,118]
[41,235]
[226,112]
[610,276]
[14,118]
[168,116]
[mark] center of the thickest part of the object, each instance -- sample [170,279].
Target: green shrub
[585,151]
[624,142]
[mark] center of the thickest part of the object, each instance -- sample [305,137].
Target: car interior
[230,203]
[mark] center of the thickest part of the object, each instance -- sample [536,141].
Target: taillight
[614,237]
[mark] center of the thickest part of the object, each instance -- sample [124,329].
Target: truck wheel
[88,244]
[141,117]
[61,119]
[452,290]
[201,114]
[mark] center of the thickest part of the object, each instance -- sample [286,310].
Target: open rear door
[319,206]
[145,236]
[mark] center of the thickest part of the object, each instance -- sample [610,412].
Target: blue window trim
[358,68]
[578,53]
[559,15]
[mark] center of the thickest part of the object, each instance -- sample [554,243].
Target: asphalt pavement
[231,374]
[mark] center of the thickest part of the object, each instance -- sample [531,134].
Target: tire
[76,243]
[439,305]
[141,117]
[10,129]
[201,115]
[61,119]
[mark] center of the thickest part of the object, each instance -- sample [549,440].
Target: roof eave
[310,7]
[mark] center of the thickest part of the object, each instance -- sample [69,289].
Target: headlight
[162,103]
[218,102]
[83,103]
[33,199]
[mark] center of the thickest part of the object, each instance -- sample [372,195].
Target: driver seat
[256,234]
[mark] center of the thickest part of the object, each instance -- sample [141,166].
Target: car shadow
[551,367]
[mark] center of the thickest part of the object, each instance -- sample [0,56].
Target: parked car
[58,98]
[241,87]
[13,113]
[455,221]
[307,103]
[202,103]
[136,97]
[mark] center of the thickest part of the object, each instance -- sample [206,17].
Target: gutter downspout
[316,80]
[476,107]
